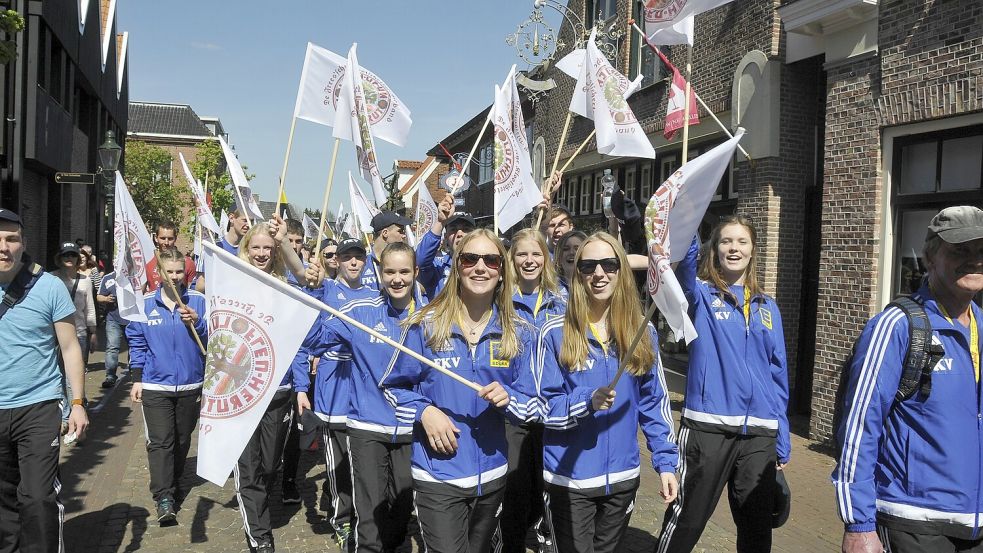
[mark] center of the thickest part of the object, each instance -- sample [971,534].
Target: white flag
[310,229]
[618,132]
[679,32]
[253,324]
[426,209]
[205,216]
[349,226]
[320,88]
[516,193]
[573,65]
[352,123]
[362,208]
[134,249]
[223,222]
[198,252]
[245,192]
[672,217]
[339,220]
[664,14]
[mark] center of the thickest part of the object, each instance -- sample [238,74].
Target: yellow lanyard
[539,303]
[974,339]
[412,306]
[604,345]
[747,307]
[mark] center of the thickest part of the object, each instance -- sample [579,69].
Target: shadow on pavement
[79,530]
[636,539]
[199,531]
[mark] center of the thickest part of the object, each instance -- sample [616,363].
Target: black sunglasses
[492,261]
[608,265]
[349,256]
[328,255]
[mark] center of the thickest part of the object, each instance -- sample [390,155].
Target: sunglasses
[492,261]
[328,255]
[349,256]
[609,265]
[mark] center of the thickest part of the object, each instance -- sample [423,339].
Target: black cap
[309,428]
[783,501]
[957,224]
[460,217]
[327,242]
[350,244]
[69,247]
[10,217]
[386,219]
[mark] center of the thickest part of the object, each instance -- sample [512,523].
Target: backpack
[919,361]
[28,275]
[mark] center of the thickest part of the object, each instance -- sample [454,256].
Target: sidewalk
[109,509]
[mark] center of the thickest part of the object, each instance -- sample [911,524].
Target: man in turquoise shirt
[32,331]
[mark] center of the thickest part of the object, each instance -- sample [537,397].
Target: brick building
[863,119]
[67,87]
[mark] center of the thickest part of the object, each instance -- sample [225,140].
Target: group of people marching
[548,440]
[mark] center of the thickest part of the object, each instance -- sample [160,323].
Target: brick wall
[930,66]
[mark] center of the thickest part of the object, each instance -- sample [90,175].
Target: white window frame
[586,185]
[630,185]
[645,187]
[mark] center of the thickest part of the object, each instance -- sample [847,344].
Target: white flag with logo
[362,208]
[349,226]
[516,193]
[352,123]
[256,325]
[573,65]
[244,190]
[339,220]
[223,222]
[205,217]
[133,250]
[672,218]
[320,89]
[310,229]
[618,132]
[426,209]
[664,14]
[679,32]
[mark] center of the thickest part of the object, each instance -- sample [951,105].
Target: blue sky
[241,61]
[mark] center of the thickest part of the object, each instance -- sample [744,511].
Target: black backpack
[28,275]
[919,361]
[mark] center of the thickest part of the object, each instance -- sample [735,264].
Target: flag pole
[556,162]
[577,151]
[245,208]
[170,285]
[286,160]
[327,189]
[634,344]
[698,98]
[686,103]
[317,304]
[467,162]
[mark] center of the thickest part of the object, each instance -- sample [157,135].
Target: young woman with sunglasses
[460,457]
[168,368]
[734,427]
[379,444]
[537,300]
[591,460]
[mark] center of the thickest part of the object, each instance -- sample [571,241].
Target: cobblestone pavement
[109,509]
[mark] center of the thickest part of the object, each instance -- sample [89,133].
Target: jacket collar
[939,321]
[159,298]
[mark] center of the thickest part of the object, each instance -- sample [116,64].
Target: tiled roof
[166,119]
[266,208]
[408,164]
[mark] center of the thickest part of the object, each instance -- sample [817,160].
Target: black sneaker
[290,494]
[165,511]
[265,548]
[110,381]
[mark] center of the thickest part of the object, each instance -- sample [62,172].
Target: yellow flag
[283,197]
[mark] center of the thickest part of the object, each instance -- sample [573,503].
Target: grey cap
[957,224]
[10,217]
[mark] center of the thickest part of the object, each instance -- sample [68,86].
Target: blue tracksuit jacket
[163,354]
[738,374]
[479,465]
[919,465]
[434,265]
[596,453]
[369,276]
[551,306]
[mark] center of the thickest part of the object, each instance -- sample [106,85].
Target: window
[570,200]
[667,165]
[629,184]
[641,59]
[486,163]
[598,191]
[599,10]
[930,172]
[586,184]
[646,185]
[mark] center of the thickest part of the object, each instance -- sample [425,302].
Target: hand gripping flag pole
[177,297]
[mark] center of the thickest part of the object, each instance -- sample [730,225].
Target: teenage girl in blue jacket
[168,368]
[734,423]
[591,460]
[459,460]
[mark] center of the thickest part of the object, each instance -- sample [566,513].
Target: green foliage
[394,199]
[11,23]
[148,177]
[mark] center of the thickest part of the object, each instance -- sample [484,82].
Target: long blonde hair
[710,264]
[547,277]
[279,267]
[447,308]
[624,316]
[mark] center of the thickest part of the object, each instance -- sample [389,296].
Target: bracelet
[78,402]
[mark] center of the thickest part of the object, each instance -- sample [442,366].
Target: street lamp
[109,153]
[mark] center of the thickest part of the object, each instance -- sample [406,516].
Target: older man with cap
[387,227]
[910,468]
[433,253]
[36,320]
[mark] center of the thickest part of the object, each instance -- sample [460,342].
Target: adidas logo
[154,313]
[717,303]
[341,296]
[380,327]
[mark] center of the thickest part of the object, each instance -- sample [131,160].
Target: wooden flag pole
[577,151]
[698,99]
[286,160]
[327,188]
[556,162]
[686,104]
[634,344]
[467,162]
[242,204]
[170,285]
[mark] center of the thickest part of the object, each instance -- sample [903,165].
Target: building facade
[67,87]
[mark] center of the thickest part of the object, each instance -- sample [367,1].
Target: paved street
[109,508]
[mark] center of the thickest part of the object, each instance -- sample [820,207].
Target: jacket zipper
[607,436]
[747,369]
[474,400]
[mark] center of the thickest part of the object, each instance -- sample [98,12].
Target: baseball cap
[327,242]
[385,219]
[783,501]
[309,428]
[460,217]
[350,244]
[69,247]
[10,217]
[957,224]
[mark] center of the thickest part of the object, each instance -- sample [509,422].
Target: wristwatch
[78,402]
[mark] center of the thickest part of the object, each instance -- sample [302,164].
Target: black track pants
[523,504]
[382,492]
[291,452]
[897,541]
[746,465]
[583,524]
[336,492]
[455,524]
[169,419]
